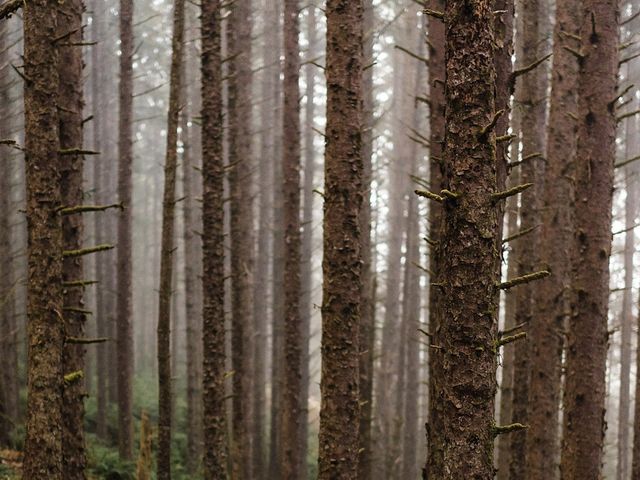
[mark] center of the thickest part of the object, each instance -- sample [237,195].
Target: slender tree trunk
[45,328]
[99,184]
[293,413]
[163,458]
[461,432]
[552,294]
[215,455]
[306,304]
[70,106]
[191,272]
[342,262]
[584,393]
[240,173]
[367,311]
[261,298]
[124,323]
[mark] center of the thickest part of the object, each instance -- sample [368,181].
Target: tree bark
[240,174]
[124,325]
[45,328]
[461,430]
[342,262]
[165,389]
[213,392]
[551,296]
[584,393]
[70,107]
[293,413]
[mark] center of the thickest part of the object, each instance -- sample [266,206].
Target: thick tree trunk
[213,392]
[45,328]
[461,430]
[240,174]
[342,262]
[367,311]
[551,295]
[124,325]
[293,414]
[163,459]
[586,357]
[70,106]
[531,101]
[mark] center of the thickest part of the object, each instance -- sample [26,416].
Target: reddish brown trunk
[124,324]
[215,455]
[45,328]
[342,262]
[70,105]
[239,105]
[551,295]
[293,414]
[461,429]
[586,358]
[163,459]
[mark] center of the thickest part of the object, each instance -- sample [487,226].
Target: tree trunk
[213,393]
[124,324]
[342,262]
[293,414]
[552,294]
[261,317]
[367,311]
[584,393]
[70,106]
[163,459]
[45,329]
[240,173]
[461,431]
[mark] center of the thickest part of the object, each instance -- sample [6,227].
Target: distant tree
[551,295]
[165,390]
[124,325]
[342,262]
[584,393]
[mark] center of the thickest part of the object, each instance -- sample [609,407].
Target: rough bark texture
[551,295]
[240,173]
[531,101]
[45,328]
[70,106]
[292,406]
[215,455]
[586,357]
[342,262]
[163,459]
[306,272]
[367,311]
[124,324]
[461,429]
